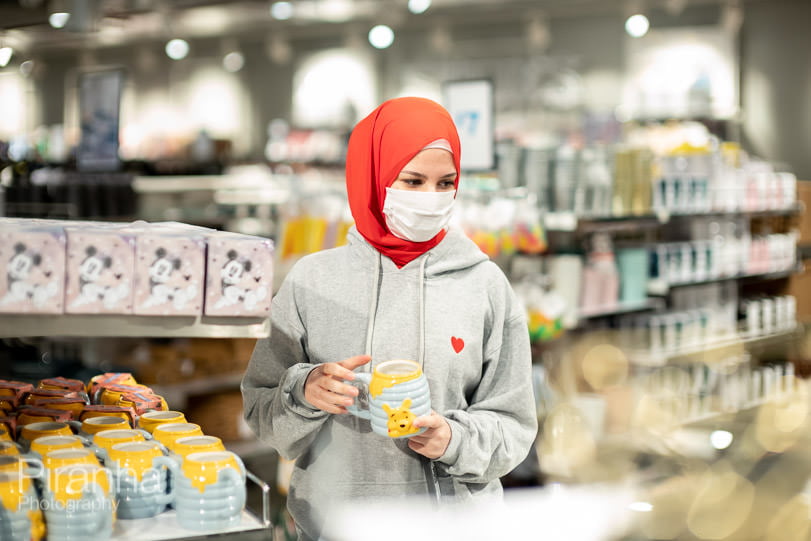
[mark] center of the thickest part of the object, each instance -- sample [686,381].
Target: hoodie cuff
[452,452]
[294,388]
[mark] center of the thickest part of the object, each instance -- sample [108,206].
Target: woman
[405,287]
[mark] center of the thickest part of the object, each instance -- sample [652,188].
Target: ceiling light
[418,6]
[58,19]
[233,61]
[281,10]
[5,56]
[721,439]
[381,36]
[26,68]
[637,25]
[177,49]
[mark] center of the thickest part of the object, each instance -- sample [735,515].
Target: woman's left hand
[434,441]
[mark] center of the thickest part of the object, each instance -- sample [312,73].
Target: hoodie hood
[455,252]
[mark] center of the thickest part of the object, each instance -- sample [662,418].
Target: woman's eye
[412,181]
[446,185]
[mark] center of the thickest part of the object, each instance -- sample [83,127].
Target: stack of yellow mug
[76,457]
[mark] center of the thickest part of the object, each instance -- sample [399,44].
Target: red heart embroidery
[457,343]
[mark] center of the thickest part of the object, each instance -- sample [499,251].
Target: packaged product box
[239,275]
[32,268]
[100,270]
[169,272]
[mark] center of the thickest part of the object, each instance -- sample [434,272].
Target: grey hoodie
[452,310]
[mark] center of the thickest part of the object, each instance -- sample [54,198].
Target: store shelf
[178,393]
[165,527]
[617,309]
[647,358]
[111,325]
[662,287]
[565,221]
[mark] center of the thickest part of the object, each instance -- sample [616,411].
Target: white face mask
[417,216]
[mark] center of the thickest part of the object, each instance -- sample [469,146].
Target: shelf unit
[564,221]
[715,348]
[661,287]
[111,325]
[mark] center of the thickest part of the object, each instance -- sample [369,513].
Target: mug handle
[105,520]
[361,381]
[35,469]
[237,479]
[174,471]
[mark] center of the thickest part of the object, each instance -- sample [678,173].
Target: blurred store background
[639,168]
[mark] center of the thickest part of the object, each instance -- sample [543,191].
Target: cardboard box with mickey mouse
[170,269]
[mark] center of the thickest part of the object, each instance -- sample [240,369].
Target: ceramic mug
[105,439]
[187,445]
[208,489]
[69,457]
[397,393]
[41,446]
[20,516]
[93,425]
[23,465]
[32,431]
[141,485]
[9,448]
[78,503]
[151,419]
[169,432]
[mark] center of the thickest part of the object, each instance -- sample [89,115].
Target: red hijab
[380,146]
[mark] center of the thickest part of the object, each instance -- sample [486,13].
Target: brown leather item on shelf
[73,405]
[142,402]
[16,389]
[35,414]
[62,383]
[107,379]
[10,424]
[97,410]
[37,395]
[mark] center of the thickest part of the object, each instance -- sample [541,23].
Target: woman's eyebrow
[416,174]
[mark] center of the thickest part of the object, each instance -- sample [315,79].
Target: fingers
[353,362]
[432,420]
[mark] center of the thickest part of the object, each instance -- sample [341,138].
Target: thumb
[353,362]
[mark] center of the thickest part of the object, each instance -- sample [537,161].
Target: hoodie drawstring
[422,312]
[373,308]
[427,465]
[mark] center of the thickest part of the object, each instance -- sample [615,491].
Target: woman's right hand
[325,389]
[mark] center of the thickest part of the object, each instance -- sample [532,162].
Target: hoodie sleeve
[273,385]
[494,433]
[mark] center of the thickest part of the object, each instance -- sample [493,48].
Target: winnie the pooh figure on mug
[397,394]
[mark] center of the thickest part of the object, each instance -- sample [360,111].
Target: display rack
[662,287]
[648,358]
[567,221]
[112,325]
